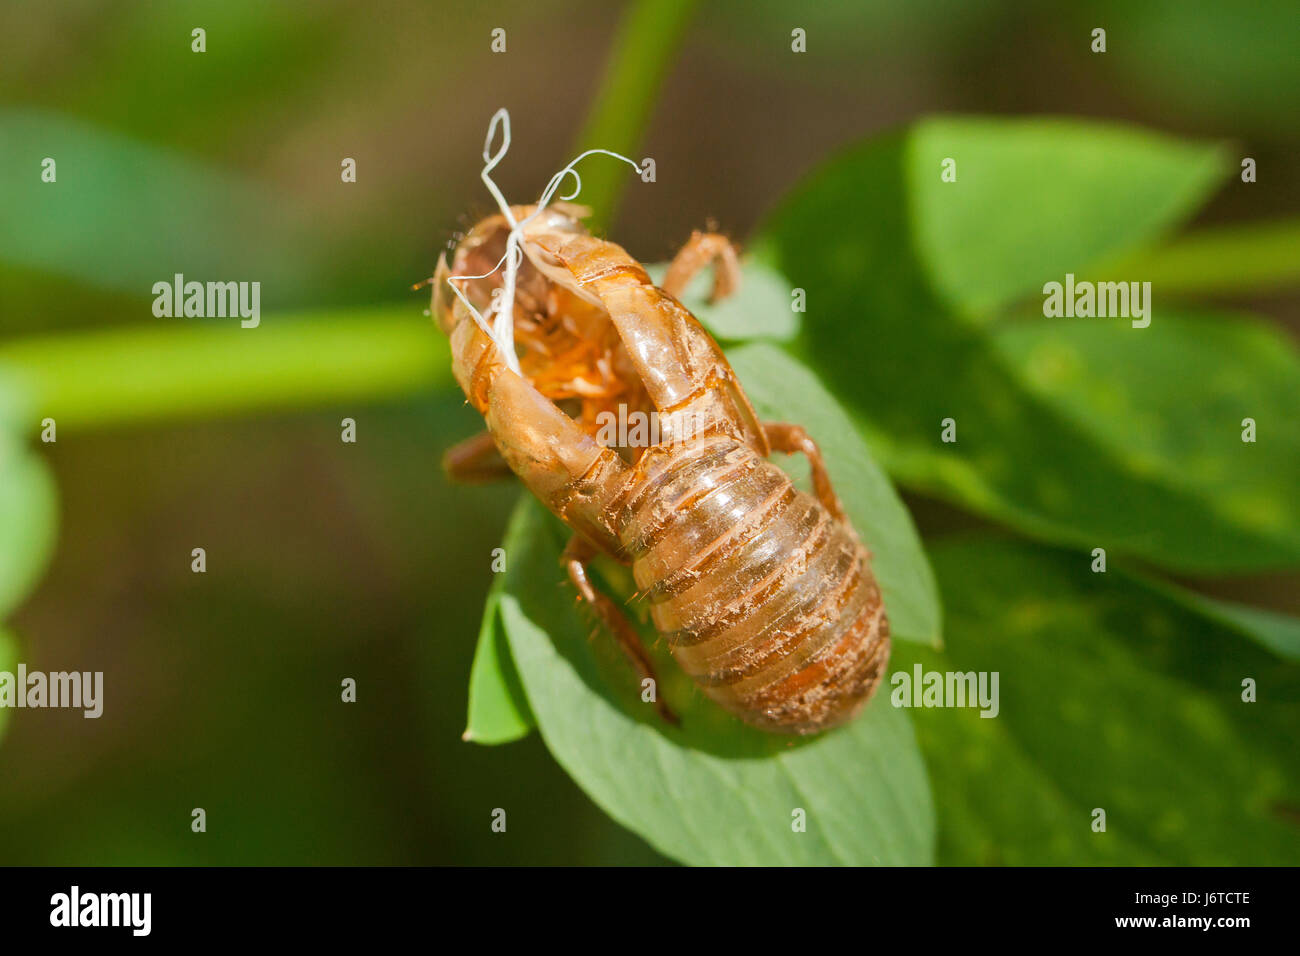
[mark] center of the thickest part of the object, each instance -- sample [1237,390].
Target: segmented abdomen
[765,599]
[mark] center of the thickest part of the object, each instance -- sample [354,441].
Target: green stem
[157,373]
[1249,258]
[643,49]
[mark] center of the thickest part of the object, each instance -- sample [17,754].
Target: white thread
[502,329]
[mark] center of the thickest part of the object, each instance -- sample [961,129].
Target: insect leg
[475,460]
[577,555]
[701,249]
[793,439]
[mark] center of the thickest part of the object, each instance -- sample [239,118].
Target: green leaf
[1169,402]
[713,791]
[498,709]
[783,390]
[1279,632]
[110,185]
[759,309]
[886,340]
[1033,200]
[1112,697]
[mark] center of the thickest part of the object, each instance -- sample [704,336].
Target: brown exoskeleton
[763,593]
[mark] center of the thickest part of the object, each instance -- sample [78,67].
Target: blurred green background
[328,560]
